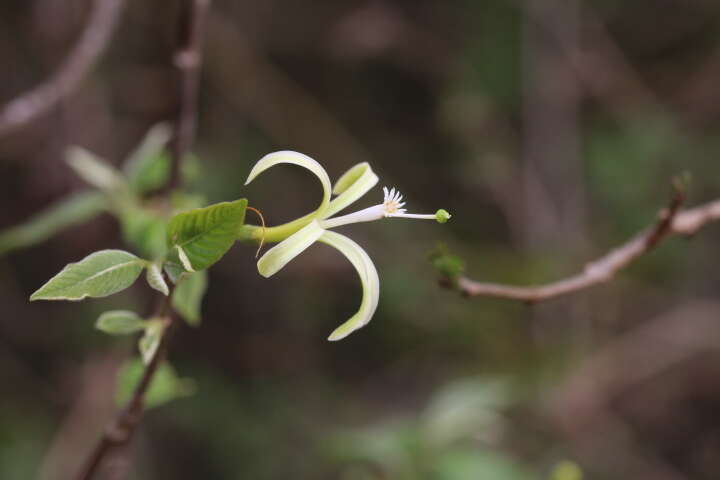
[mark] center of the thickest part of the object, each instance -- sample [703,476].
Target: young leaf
[151,174]
[149,343]
[156,280]
[94,170]
[188,295]
[173,271]
[184,259]
[98,275]
[143,229]
[165,385]
[120,322]
[70,211]
[148,167]
[204,235]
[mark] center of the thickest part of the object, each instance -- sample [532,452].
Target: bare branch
[91,44]
[188,58]
[672,221]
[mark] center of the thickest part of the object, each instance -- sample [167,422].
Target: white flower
[299,234]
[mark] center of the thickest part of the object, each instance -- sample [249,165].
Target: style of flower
[296,236]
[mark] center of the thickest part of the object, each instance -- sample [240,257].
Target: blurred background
[550,129]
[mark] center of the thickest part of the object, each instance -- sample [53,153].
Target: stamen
[366,215]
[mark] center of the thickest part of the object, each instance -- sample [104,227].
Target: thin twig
[188,58]
[91,44]
[121,429]
[672,221]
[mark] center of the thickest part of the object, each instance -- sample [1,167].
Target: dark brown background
[549,129]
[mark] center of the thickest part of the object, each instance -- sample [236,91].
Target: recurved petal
[368,277]
[278,256]
[352,185]
[295,158]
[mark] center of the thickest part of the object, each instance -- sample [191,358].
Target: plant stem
[121,430]
[187,58]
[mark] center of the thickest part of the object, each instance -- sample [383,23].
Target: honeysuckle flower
[296,236]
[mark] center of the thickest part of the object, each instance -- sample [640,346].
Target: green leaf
[182,201]
[448,265]
[462,464]
[188,296]
[120,322]
[70,211]
[154,173]
[148,167]
[206,234]
[149,343]
[164,387]
[98,275]
[190,168]
[94,170]
[156,280]
[173,271]
[144,230]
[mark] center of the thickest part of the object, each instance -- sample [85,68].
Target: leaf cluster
[174,241]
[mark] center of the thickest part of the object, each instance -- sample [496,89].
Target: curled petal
[368,277]
[295,158]
[278,256]
[352,185]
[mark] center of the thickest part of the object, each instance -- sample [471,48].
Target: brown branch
[672,221]
[91,44]
[122,428]
[188,58]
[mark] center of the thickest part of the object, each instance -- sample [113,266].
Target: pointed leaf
[368,277]
[98,275]
[173,271]
[148,167]
[188,295]
[150,341]
[70,211]
[94,170]
[206,234]
[120,322]
[156,280]
[164,387]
